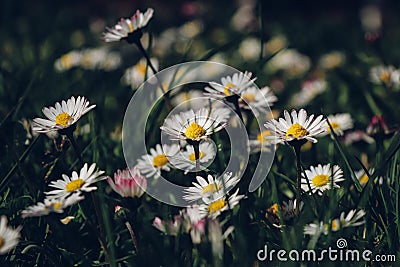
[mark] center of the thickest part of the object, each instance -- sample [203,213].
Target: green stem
[298,171]
[130,229]
[71,138]
[150,64]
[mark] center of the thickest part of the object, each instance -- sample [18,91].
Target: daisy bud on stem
[122,214]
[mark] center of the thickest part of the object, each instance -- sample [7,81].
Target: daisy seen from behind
[207,188]
[321,178]
[9,237]
[62,116]
[152,164]
[82,182]
[129,29]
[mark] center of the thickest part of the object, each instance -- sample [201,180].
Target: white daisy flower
[67,61]
[295,126]
[386,75]
[135,76]
[208,188]
[195,126]
[250,49]
[128,183]
[260,143]
[257,100]
[230,85]
[213,206]
[194,223]
[76,183]
[321,178]
[9,237]
[186,160]
[49,205]
[339,122]
[151,164]
[352,218]
[63,115]
[316,229]
[127,27]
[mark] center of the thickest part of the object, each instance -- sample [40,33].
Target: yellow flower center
[192,157]
[141,68]
[364,179]
[194,131]
[334,125]
[66,61]
[249,97]
[335,225]
[74,185]
[211,188]
[296,131]
[320,180]
[227,89]
[1,242]
[216,205]
[130,27]
[273,209]
[261,136]
[160,160]
[385,77]
[63,119]
[57,205]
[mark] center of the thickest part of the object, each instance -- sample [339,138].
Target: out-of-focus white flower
[357,136]
[332,60]
[168,227]
[250,48]
[292,62]
[275,44]
[191,29]
[9,237]
[136,75]
[244,18]
[371,18]
[189,100]
[309,90]
[340,123]
[387,75]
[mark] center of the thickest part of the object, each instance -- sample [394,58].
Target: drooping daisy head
[215,205]
[295,127]
[152,164]
[186,160]
[257,100]
[195,126]
[128,182]
[9,237]
[49,205]
[339,122]
[82,182]
[62,116]
[321,178]
[129,29]
[230,85]
[207,188]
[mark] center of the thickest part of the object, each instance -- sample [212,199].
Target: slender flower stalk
[121,213]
